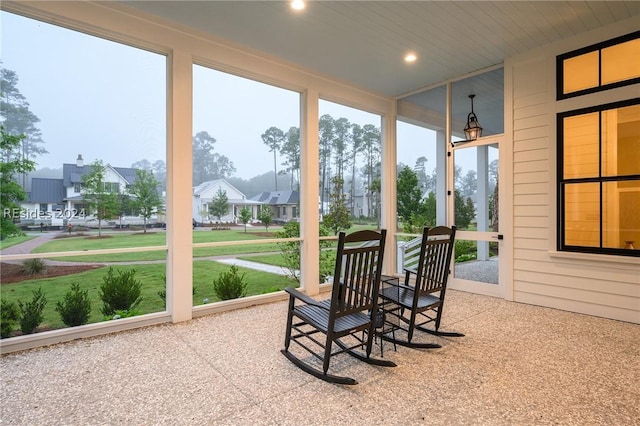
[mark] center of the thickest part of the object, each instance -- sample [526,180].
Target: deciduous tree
[146,199]
[207,164]
[219,205]
[244,216]
[409,194]
[100,196]
[266,217]
[338,217]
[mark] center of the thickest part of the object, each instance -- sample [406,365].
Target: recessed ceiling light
[297,4]
[410,57]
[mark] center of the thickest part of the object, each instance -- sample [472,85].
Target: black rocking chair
[423,296]
[343,318]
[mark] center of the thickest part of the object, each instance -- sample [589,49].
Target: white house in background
[55,201]
[204,194]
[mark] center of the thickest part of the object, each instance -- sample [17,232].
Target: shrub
[230,285]
[291,251]
[10,315]
[466,257]
[120,291]
[75,308]
[465,247]
[163,293]
[34,266]
[31,312]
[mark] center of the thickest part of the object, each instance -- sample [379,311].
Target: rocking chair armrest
[397,284]
[407,287]
[413,271]
[303,297]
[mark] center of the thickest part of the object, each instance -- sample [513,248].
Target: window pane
[476,195]
[621,214]
[476,261]
[582,214]
[580,72]
[581,142]
[246,177]
[620,141]
[246,144]
[350,154]
[621,62]
[417,150]
[82,101]
[422,147]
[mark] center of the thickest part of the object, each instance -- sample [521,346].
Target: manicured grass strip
[152,280]
[274,259]
[117,240]
[12,241]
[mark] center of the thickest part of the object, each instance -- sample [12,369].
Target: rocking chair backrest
[357,273]
[435,259]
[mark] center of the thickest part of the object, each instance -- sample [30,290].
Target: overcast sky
[109,102]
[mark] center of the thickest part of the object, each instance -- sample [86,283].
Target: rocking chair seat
[423,291]
[404,298]
[347,320]
[319,317]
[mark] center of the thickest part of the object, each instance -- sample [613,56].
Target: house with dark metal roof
[284,204]
[55,201]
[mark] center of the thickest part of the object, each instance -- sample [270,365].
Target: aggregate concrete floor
[517,365]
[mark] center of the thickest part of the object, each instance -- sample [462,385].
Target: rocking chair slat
[424,288]
[349,314]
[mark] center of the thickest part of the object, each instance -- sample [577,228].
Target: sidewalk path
[279,270]
[28,246]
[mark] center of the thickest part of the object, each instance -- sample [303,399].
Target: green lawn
[12,241]
[126,240]
[151,275]
[274,259]
[152,280]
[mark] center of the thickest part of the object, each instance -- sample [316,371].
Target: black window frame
[595,47]
[562,181]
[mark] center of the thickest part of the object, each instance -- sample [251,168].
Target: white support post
[179,187]
[441,177]
[482,198]
[309,193]
[450,182]
[388,198]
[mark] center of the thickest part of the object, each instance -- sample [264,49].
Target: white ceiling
[363,42]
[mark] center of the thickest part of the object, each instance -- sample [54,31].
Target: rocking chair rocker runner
[350,311]
[417,297]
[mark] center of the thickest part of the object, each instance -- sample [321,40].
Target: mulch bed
[12,273]
[263,234]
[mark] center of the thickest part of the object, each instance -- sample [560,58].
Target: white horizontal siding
[583,295]
[573,304]
[531,233]
[530,200]
[526,221]
[531,177]
[531,144]
[530,211]
[567,269]
[531,166]
[604,289]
